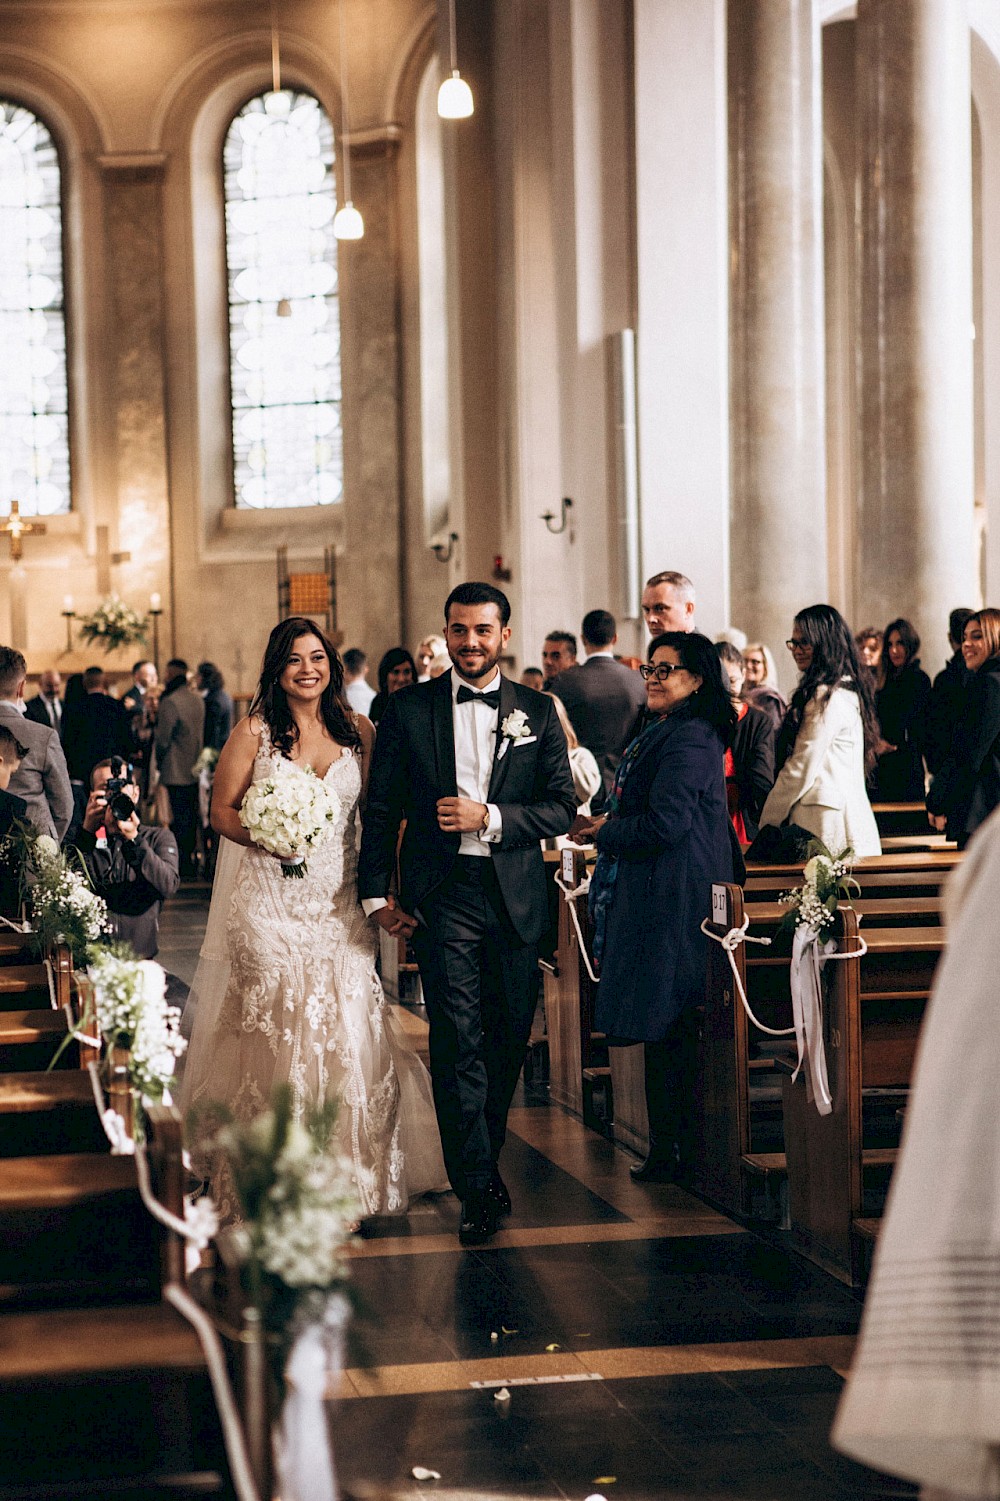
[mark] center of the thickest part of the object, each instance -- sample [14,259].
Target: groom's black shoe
[498,1193]
[479,1217]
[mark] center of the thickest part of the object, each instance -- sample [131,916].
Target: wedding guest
[558,653]
[869,644]
[439,665]
[668,603]
[733,636]
[663,842]
[749,763]
[218,705]
[140,702]
[966,789]
[826,745]
[760,683]
[179,736]
[12,810]
[357,691]
[901,707]
[947,695]
[100,728]
[396,670]
[41,779]
[586,773]
[46,705]
[533,677]
[144,677]
[603,697]
[429,648]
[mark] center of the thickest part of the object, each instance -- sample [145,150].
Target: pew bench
[901,818]
[44,1113]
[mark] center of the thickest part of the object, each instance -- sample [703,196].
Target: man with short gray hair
[41,779]
[668,603]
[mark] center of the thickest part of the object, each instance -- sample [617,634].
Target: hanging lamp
[348,223]
[454,95]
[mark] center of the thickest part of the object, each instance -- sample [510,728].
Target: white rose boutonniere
[514,728]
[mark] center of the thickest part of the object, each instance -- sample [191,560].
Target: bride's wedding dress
[286,992]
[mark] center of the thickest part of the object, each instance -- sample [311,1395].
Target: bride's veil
[200,1065]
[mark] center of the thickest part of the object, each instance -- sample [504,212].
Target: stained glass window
[284,315]
[34,417]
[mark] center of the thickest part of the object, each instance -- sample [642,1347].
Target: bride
[286,989]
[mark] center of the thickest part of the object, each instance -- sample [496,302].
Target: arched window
[284,315]
[34,416]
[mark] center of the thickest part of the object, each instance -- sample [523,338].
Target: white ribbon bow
[303,1454]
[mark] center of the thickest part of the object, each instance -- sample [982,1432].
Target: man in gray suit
[41,779]
[602,697]
[179,738]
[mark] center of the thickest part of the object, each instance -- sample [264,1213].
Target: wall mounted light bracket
[565,506]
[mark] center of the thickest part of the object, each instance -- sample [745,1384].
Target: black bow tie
[470,696]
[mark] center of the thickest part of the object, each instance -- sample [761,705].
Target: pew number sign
[719,905]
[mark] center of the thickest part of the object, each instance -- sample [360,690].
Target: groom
[478,768]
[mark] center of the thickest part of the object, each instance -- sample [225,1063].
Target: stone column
[916,393]
[778,536]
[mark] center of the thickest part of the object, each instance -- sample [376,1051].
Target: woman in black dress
[396,670]
[965,791]
[901,701]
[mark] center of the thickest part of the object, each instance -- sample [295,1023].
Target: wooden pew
[901,818]
[575,1049]
[735,1055]
[873,1015]
[916,873]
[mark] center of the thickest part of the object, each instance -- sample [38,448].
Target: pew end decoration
[113,624]
[288,1193]
[64,908]
[826,882]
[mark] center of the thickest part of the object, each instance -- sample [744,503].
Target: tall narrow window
[34,418]
[284,315]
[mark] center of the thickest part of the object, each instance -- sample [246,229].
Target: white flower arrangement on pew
[113,624]
[827,881]
[62,904]
[132,1014]
[288,813]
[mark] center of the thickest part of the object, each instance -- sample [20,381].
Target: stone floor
[651,1348]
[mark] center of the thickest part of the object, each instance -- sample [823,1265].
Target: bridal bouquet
[289,812]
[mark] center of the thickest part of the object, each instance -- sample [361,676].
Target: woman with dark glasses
[664,839]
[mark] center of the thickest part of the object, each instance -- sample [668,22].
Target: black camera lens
[122,806]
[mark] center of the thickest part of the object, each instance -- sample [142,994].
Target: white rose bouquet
[289,812]
[132,1013]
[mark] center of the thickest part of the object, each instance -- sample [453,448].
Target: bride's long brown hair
[271,702]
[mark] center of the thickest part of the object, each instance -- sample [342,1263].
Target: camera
[121,805]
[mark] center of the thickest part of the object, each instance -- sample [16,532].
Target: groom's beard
[478,666]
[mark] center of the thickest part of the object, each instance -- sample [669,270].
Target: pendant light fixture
[454,95]
[348,223]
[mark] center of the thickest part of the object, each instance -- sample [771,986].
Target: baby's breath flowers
[826,882]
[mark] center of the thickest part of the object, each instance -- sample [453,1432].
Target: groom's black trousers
[480,985]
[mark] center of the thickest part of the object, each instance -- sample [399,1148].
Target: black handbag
[785,846]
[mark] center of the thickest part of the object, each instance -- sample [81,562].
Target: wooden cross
[16,527]
[106,559]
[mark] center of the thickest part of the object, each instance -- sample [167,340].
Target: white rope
[730,942]
[16,927]
[50,976]
[232,1432]
[571,893]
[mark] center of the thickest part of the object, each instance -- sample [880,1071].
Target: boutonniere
[514,729]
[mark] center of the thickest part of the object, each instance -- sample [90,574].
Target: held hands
[394,920]
[460,815]
[585,826]
[937,821]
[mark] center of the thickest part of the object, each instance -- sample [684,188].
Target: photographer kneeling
[133,867]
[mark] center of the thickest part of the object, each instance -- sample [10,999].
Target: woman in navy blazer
[664,840]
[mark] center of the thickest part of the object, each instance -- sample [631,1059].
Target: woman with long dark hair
[901,701]
[827,743]
[286,991]
[664,839]
[396,670]
[966,788]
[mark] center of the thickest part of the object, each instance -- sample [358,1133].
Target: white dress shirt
[359,695]
[53,709]
[475,728]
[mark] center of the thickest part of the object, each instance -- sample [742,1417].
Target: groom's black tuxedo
[480,915]
[414,766]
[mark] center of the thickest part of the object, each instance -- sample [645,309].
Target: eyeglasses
[798,644]
[661,671]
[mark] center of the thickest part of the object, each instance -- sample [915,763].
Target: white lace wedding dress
[286,992]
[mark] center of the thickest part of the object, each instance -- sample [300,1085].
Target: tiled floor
[651,1348]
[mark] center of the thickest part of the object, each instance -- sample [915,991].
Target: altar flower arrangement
[288,813]
[826,882]
[132,1014]
[112,624]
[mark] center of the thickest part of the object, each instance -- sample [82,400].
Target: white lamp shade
[455,98]
[348,223]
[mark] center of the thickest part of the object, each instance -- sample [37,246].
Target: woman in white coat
[827,742]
